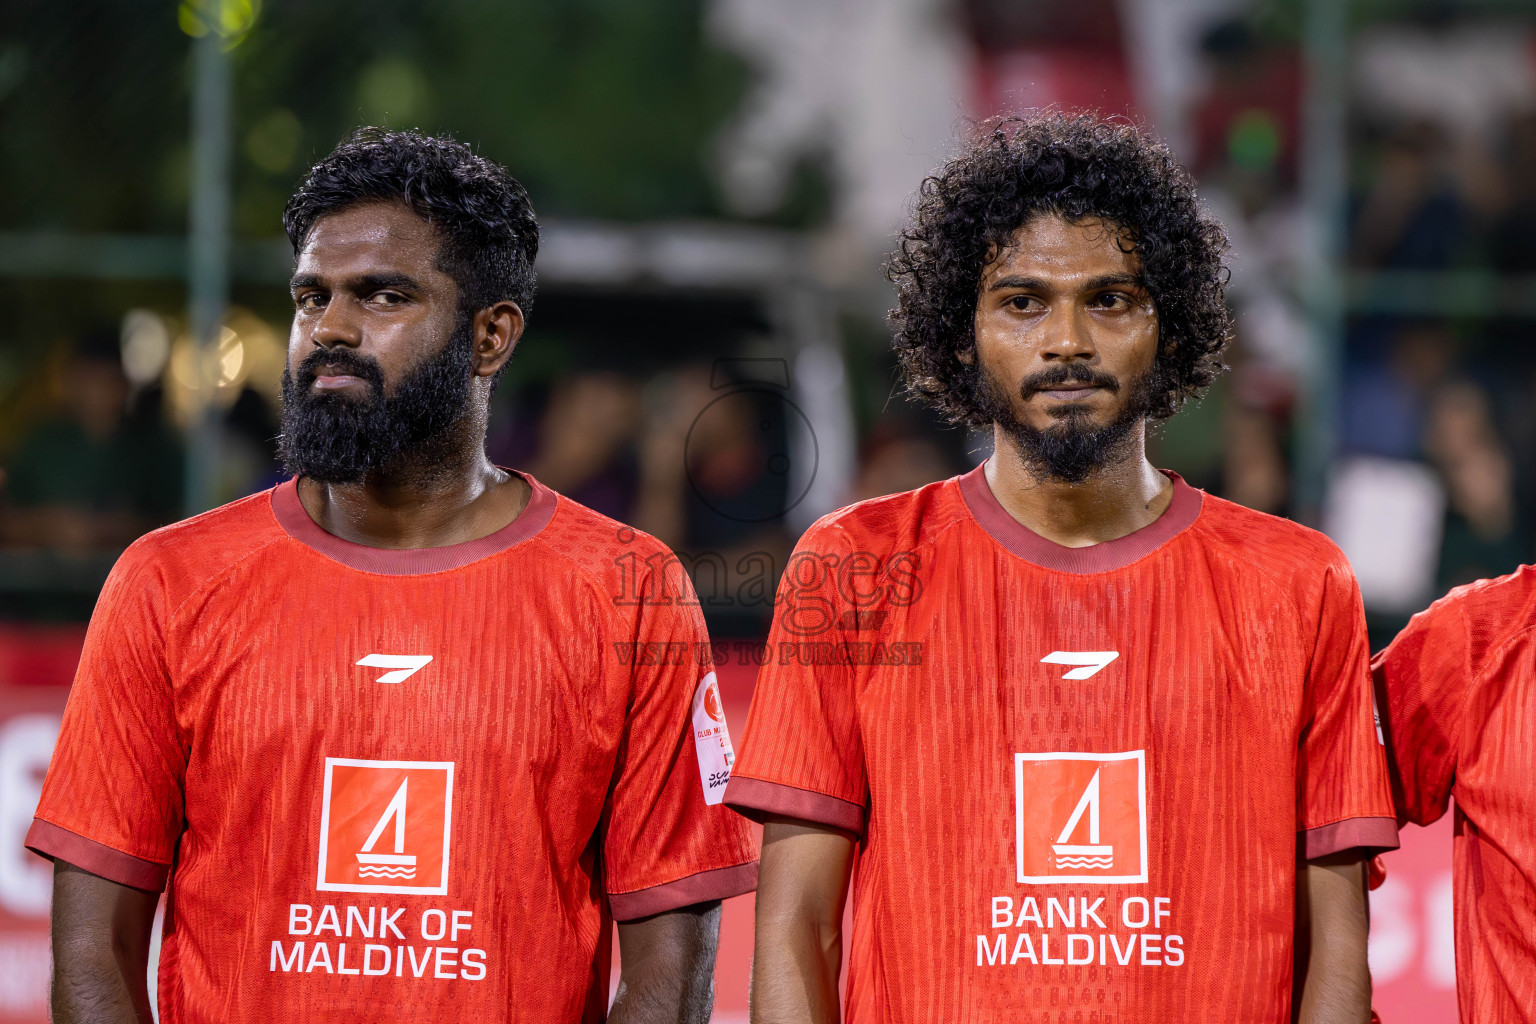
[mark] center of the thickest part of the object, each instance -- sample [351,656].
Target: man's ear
[496,332]
[967,355]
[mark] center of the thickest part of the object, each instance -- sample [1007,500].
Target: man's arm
[100,949]
[801,886]
[1331,927]
[668,967]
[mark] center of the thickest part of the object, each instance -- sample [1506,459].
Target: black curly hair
[1075,166]
[490,237]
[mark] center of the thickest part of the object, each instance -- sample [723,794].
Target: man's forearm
[669,994]
[1337,987]
[801,890]
[668,965]
[797,984]
[91,989]
[1336,992]
[100,950]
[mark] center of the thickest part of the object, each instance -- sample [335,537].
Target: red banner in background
[1412,944]
[1413,933]
[37,664]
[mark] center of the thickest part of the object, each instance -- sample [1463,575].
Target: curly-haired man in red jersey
[1460,720]
[366,729]
[1091,745]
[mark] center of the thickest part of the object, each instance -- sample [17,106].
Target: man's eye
[388,298]
[1021,301]
[1114,300]
[310,301]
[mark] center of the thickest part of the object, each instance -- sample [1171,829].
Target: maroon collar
[1181,512]
[292,517]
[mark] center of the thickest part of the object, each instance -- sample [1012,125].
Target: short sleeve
[1343,791]
[802,754]
[1423,677]
[669,842]
[112,801]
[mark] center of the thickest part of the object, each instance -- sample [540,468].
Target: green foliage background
[604,108]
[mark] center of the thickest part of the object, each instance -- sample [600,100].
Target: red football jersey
[395,784]
[1460,691]
[1080,777]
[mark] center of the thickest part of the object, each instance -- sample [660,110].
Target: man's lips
[1070,392]
[333,381]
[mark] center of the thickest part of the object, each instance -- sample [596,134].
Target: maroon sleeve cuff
[1350,834]
[704,887]
[49,840]
[757,799]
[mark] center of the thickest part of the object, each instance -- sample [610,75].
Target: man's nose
[336,327]
[1068,337]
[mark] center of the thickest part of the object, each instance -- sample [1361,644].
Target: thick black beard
[1073,449]
[339,439]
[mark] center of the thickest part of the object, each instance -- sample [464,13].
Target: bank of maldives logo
[384,826]
[1080,817]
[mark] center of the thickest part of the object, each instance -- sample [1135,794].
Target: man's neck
[427,499]
[1118,499]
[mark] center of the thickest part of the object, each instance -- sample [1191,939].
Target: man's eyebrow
[1035,284]
[380,282]
[1018,281]
[364,285]
[1111,280]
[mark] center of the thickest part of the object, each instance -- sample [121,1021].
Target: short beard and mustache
[1072,449]
[343,439]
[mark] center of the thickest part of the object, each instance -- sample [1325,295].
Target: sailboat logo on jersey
[384,826]
[1080,817]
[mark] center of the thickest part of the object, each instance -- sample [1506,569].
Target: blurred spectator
[1483,535]
[586,441]
[1247,127]
[715,462]
[1412,215]
[248,457]
[1254,471]
[1510,246]
[898,456]
[1383,404]
[90,476]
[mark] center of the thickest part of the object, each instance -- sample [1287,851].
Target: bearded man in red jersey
[1460,715]
[367,729]
[1092,745]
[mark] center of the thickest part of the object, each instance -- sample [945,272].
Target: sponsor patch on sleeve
[712,739]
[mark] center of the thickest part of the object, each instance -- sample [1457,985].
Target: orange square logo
[1080,817]
[384,826]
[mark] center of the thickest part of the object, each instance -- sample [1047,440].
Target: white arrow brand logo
[1092,662]
[405,665]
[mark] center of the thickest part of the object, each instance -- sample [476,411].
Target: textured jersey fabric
[411,785]
[1080,778]
[1460,689]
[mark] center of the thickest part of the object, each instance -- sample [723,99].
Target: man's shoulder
[586,548]
[181,557]
[1491,611]
[1272,543]
[588,539]
[891,522]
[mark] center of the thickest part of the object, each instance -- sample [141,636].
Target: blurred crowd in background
[700,408]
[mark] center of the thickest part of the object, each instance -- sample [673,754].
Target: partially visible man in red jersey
[1092,745]
[375,730]
[1461,721]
